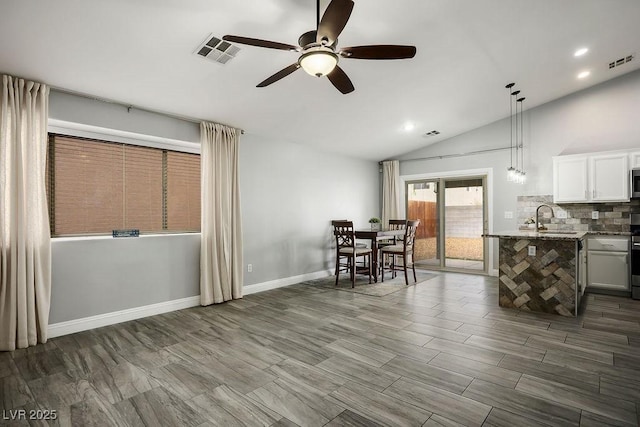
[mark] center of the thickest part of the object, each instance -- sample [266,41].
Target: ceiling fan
[319,48]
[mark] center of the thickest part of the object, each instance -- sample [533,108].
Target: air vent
[621,61]
[432,133]
[217,50]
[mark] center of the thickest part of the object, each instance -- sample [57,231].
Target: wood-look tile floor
[437,354]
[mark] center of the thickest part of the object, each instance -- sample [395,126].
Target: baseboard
[287,281]
[106,319]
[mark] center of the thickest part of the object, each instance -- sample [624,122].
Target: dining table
[375,236]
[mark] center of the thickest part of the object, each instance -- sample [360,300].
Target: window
[95,187]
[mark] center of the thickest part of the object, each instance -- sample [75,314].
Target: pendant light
[510,170]
[523,175]
[516,173]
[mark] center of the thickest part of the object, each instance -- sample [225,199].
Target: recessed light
[584,74]
[581,51]
[408,127]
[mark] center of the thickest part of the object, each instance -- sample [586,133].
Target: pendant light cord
[515,94]
[521,101]
[508,87]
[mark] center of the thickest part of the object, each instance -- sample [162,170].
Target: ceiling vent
[432,133]
[217,50]
[621,61]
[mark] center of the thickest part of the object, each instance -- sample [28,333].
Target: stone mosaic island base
[546,282]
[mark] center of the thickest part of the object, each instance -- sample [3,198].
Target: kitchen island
[539,271]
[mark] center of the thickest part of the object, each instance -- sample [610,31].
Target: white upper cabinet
[598,177]
[609,177]
[570,179]
[634,158]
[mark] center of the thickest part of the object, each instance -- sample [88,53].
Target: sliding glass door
[452,213]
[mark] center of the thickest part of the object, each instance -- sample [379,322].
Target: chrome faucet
[538,225]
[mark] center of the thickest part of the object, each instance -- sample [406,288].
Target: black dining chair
[347,252]
[394,224]
[403,249]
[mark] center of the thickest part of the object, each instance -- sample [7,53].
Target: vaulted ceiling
[143,53]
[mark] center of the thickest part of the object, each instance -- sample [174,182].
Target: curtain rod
[470,153]
[130,106]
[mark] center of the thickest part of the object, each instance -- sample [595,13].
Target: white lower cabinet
[608,263]
[582,268]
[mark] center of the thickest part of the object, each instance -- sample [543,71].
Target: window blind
[98,186]
[183,191]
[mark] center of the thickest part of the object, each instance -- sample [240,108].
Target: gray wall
[601,118]
[76,109]
[103,275]
[289,194]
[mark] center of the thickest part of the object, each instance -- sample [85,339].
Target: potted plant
[375,223]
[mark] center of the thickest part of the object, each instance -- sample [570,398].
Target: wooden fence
[427,214]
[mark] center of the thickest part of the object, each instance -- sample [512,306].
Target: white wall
[601,118]
[289,194]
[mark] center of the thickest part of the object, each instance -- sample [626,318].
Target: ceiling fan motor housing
[309,39]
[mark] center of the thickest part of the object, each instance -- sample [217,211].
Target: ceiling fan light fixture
[319,62]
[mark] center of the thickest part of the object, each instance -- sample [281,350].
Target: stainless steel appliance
[635,183]
[635,256]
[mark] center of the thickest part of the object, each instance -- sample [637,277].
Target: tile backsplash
[613,217]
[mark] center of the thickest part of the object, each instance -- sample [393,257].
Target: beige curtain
[390,191]
[25,252]
[221,242]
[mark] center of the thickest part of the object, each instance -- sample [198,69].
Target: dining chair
[358,244]
[402,249]
[394,224]
[347,250]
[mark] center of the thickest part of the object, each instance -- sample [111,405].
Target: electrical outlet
[595,215]
[508,215]
[249,268]
[532,250]
[561,213]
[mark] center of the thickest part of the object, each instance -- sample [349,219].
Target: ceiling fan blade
[279,75]
[334,20]
[259,43]
[381,51]
[340,80]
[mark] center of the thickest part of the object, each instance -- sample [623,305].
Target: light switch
[249,268]
[532,251]
[508,215]
[595,215]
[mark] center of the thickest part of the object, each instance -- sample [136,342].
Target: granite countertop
[541,235]
[609,233]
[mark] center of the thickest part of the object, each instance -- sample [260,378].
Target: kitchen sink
[556,232]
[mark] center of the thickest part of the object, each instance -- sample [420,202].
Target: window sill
[108,237]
